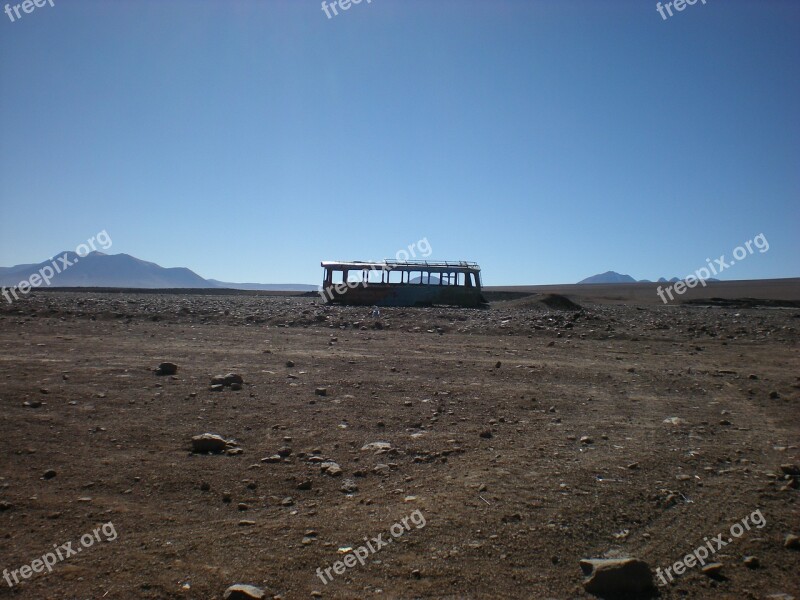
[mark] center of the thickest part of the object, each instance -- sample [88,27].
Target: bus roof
[403,265]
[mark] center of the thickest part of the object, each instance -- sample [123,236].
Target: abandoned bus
[402,283]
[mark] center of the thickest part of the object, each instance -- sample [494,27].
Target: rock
[244,592]
[792,542]
[304,485]
[608,576]
[205,486]
[674,421]
[218,380]
[217,387]
[751,562]
[376,446]
[232,378]
[211,443]
[349,486]
[585,439]
[166,368]
[32,403]
[330,468]
[5,505]
[792,470]
[498,364]
[321,391]
[272,459]
[288,501]
[713,570]
[50,473]
[236,386]
[774,395]
[290,363]
[486,434]
[284,452]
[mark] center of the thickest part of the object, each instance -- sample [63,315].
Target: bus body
[402,283]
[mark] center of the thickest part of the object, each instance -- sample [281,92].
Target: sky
[547,140]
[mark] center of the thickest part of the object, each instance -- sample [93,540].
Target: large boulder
[244,592]
[616,576]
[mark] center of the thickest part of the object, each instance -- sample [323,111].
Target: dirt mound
[559,302]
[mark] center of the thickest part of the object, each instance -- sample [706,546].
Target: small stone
[792,542]
[330,468]
[349,486]
[275,458]
[633,465]
[205,486]
[217,387]
[5,505]
[498,364]
[32,403]
[724,422]
[416,574]
[321,391]
[236,386]
[791,470]
[49,474]
[232,378]
[585,439]
[774,395]
[211,443]
[290,363]
[244,592]
[284,452]
[372,446]
[288,501]
[242,506]
[712,570]
[218,380]
[166,368]
[486,434]
[751,562]
[304,485]
[246,523]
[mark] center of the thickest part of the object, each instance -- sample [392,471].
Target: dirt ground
[518,440]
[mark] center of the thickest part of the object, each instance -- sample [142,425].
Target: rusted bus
[402,283]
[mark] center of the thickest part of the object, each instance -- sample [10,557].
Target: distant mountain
[96,269]
[267,287]
[609,277]
[614,277]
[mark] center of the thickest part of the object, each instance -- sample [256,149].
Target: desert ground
[514,441]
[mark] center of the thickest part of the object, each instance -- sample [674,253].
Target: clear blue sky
[546,140]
